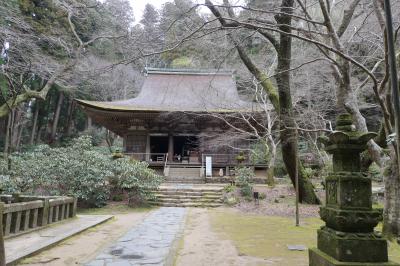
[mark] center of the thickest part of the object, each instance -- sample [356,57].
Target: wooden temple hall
[175,118]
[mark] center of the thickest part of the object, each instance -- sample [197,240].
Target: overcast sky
[138,5]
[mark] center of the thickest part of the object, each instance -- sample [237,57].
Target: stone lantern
[348,237]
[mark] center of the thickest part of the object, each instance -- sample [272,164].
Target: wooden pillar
[148,147]
[170,147]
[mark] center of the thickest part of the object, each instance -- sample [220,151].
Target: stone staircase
[182,175]
[188,196]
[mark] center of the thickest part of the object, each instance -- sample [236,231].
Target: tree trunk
[56,117]
[391,214]
[14,128]
[34,125]
[68,128]
[7,138]
[19,136]
[288,125]
[271,167]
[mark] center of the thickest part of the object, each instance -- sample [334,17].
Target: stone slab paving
[149,243]
[24,245]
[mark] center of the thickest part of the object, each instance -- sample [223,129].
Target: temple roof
[170,90]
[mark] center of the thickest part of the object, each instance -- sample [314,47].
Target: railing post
[33,223]
[62,212]
[45,213]
[2,251]
[74,207]
[7,226]
[26,219]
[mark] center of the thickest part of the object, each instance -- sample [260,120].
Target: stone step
[184,180]
[188,195]
[191,204]
[172,196]
[184,169]
[183,177]
[194,191]
[184,173]
[173,200]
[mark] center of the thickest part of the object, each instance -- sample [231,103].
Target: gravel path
[149,243]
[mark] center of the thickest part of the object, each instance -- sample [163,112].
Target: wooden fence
[22,214]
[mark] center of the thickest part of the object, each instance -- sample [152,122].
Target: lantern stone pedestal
[348,237]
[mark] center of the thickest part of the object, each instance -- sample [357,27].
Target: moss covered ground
[268,236]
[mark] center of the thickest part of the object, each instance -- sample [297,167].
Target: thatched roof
[166,90]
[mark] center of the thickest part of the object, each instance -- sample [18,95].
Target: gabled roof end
[182,71]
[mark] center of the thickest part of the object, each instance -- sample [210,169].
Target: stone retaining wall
[22,214]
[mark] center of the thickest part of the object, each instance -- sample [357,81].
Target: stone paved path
[24,245]
[149,243]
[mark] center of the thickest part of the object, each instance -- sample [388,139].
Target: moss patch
[268,236]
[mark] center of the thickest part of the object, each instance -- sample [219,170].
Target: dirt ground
[85,246]
[228,236]
[202,246]
[279,201]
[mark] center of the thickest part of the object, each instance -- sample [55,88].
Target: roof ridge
[187,71]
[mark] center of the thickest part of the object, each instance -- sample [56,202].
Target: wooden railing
[229,159]
[25,213]
[149,157]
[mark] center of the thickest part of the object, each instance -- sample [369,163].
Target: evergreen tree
[150,17]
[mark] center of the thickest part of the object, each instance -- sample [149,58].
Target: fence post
[74,207]
[2,251]
[45,214]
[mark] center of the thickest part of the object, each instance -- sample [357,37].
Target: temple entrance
[158,148]
[186,149]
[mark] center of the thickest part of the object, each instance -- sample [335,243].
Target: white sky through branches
[138,5]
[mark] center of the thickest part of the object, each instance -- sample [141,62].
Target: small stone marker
[296,247]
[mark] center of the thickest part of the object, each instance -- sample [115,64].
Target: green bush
[308,172]
[262,196]
[230,200]
[280,170]
[244,177]
[247,191]
[137,179]
[229,188]
[375,172]
[117,197]
[79,169]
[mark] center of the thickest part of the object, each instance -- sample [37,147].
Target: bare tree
[26,55]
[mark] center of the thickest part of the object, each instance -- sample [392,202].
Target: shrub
[79,170]
[229,188]
[247,191]
[262,196]
[244,177]
[375,172]
[230,200]
[118,197]
[136,178]
[308,172]
[280,170]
